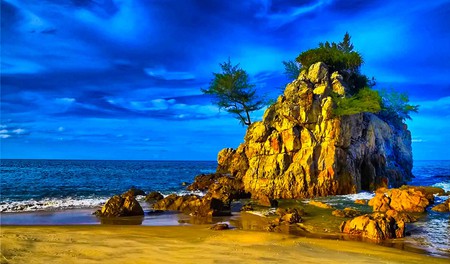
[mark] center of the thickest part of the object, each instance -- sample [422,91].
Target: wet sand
[184,244]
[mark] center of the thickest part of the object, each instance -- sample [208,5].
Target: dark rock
[118,206]
[220,226]
[154,196]
[203,181]
[133,192]
[247,207]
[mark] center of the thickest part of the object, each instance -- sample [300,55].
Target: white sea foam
[51,204]
[443,185]
[361,195]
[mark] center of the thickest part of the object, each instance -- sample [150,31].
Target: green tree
[234,93]
[395,107]
[291,69]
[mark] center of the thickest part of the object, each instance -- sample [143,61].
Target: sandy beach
[184,244]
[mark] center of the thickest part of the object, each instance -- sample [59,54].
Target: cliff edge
[301,149]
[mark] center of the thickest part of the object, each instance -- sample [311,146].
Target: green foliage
[339,57]
[395,107]
[366,100]
[234,93]
[291,69]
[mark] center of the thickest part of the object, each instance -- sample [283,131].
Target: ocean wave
[443,185]
[359,196]
[49,204]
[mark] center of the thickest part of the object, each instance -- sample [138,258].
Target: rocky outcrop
[377,226]
[443,207]
[404,199]
[203,181]
[301,149]
[121,205]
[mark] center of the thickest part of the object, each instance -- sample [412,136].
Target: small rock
[154,196]
[220,226]
[443,207]
[184,183]
[264,200]
[133,192]
[247,207]
[347,212]
[361,201]
[320,204]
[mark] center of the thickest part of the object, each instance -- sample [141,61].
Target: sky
[122,79]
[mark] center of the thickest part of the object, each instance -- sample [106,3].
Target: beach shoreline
[184,244]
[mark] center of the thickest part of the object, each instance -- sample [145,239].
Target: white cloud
[163,74]
[19,131]
[61,129]
[3,131]
[4,136]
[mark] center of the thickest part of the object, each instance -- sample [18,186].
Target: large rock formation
[300,149]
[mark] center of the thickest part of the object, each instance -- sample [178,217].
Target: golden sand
[184,244]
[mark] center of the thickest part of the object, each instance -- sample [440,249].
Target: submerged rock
[377,226]
[346,212]
[320,204]
[301,149]
[133,192]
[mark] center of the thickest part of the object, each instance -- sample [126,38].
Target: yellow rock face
[300,149]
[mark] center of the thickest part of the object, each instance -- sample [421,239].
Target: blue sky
[121,79]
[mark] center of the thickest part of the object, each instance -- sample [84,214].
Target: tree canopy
[234,93]
[339,57]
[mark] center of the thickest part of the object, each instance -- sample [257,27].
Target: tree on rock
[234,93]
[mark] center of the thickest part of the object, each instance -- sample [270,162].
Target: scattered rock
[377,226]
[361,201]
[443,207]
[320,204]
[118,206]
[220,226]
[405,199]
[154,196]
[347,212]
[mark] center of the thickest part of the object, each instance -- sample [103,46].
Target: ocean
[43,187]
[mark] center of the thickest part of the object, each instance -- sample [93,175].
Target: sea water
[31,185]
[43,187]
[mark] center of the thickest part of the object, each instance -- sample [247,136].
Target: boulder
[121,205]
[377,227]
[154,196]
[301,149]
[264,200]
[405,199]
[443,207]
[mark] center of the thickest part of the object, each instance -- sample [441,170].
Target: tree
[291,69]
[395,107]
[234,93]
